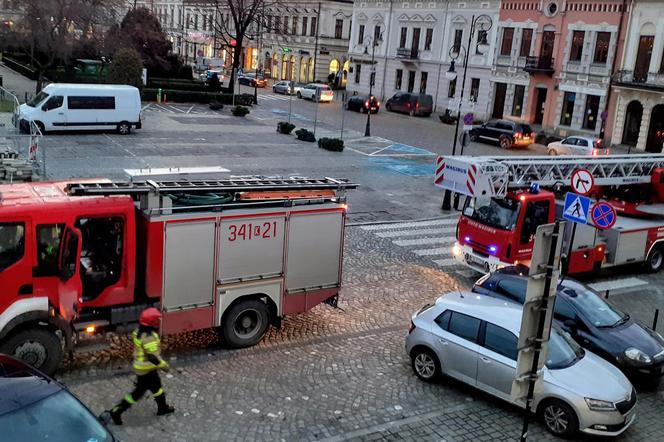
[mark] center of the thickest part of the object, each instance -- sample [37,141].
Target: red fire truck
[236,255]
[508,197]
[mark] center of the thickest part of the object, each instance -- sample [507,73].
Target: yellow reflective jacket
[147,344]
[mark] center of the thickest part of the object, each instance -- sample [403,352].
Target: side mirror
[45,107]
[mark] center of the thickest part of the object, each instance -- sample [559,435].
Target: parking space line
[190,108]
[147,106]
[176,108]
[163,108]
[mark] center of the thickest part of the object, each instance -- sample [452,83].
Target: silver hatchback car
[473,338]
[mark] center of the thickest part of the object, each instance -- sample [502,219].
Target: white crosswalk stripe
[434,251]
[446,262]
[275,97]
[435,222]
[415,232]
[420,242]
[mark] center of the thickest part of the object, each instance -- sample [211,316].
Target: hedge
[305,135]
[179,96]
[333,144]
[285,127]
[179,84]
[239,111]
[20,68]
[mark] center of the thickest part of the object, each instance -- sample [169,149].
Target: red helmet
[150,317]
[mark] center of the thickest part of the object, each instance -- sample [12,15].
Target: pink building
[553,62]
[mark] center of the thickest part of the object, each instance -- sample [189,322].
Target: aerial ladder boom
[493,176]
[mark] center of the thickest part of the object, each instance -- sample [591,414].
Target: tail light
[412,327]
[377,103]
[417,105]
[595,152]
[366,104]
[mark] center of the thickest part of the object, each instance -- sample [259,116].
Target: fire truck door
[15,263]
[70,288]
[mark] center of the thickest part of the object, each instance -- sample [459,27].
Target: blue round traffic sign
[603,215]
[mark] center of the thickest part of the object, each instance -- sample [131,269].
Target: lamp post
[372,76]
[484,23]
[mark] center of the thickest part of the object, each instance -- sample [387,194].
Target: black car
[412,104]
[362,103]
[36,407]
[506,133]
[634,348]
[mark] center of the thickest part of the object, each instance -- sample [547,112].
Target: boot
[116,412]
[162,407]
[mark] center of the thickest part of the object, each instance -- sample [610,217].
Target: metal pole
[343,112]
[537,347]
[317,97]
[372,76]
[316,43]
[291,88]
[654,321]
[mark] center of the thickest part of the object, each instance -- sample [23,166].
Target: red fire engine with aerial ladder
[235,255]
[508,197]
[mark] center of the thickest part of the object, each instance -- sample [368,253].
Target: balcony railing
[539,65]
[407,54]
[641,80]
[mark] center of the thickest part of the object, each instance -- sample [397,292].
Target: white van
[61,106]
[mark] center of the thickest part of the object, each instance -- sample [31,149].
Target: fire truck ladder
[522,171]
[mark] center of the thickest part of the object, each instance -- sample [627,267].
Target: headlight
[456,250]
[636,355]
[598,405]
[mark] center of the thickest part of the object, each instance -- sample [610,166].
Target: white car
[311,90]
[577,146]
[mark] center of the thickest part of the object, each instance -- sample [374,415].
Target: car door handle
[61,113]
[485,360]
[442,341]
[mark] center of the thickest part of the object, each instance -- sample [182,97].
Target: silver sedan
[285,87]
[473,338]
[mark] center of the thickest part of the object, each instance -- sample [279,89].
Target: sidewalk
[17,84]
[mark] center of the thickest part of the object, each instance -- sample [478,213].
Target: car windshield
[591,306]
[37,99]
[500,213]
[56,418]
[563,352]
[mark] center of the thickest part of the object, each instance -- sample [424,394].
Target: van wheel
[505,142]
[37,347]
[655,260]
[245,323]
[559,418]
[124,128]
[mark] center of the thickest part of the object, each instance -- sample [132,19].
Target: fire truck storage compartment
[584,238]
[314,250]
[625,247]
[251,247]
[230,292]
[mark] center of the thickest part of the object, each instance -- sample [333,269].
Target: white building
[414,46]
[639,85]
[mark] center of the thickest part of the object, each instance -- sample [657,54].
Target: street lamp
[484,23]
[369,40]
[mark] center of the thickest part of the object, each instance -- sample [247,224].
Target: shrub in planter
[239,111]
[305,135]
[447,118]
[285,127]
[216,105]
[333,144]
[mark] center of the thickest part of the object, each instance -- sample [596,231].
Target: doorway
[548,41]
[633,116]
[540,101]
[642,64]
[499,100]
[655,140]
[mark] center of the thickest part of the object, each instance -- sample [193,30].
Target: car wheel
[245,323]
[388,106]
[124,128]
[299,95]
[559,418]
[655,260]
[425,364]
[553,152]
[37,347]
[505,142]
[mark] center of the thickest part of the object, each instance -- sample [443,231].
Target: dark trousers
[145,382]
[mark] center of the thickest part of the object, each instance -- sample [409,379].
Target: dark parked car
[504,132]
[634,348]
[250,79]
[412,104]
[36,407]
[362,103]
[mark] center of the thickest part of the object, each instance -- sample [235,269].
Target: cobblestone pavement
[329,374]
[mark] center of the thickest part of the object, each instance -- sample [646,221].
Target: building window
[517,103]
[196,22]
[458,35]
[428,38]
[268,23]
[423,82]
[526,41]
[277,24]
[451,89]
[294,26]
[590,114]
[576,50]
[602,47]
[338,28]
[358,73]
[506,44]
[188,22]
[204,22]
[402,38]
[304,25]
[360,35]
[661,64]
[313,27]
[474,89]
[399,78]
[568,109]
[285,25]
[481,35]
[411,81]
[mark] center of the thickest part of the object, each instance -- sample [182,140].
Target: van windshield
[500,213]
[37,99]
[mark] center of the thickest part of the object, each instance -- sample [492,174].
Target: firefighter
[147,363]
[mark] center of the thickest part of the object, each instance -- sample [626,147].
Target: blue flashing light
[493,249]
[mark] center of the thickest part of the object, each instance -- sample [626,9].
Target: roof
[502,313]
[85,86]
[22,385]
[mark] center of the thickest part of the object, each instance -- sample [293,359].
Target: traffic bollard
[654,320]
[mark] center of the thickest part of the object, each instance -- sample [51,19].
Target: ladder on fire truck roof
[493,176]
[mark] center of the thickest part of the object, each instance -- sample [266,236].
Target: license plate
[471,259]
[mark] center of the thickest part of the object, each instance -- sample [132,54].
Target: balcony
[650,81]
[539,65]
[408,54]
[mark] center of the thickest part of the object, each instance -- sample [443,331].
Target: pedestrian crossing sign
[576,208]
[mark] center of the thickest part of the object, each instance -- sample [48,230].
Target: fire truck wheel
[245,323]
[38,347]
[655,260]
